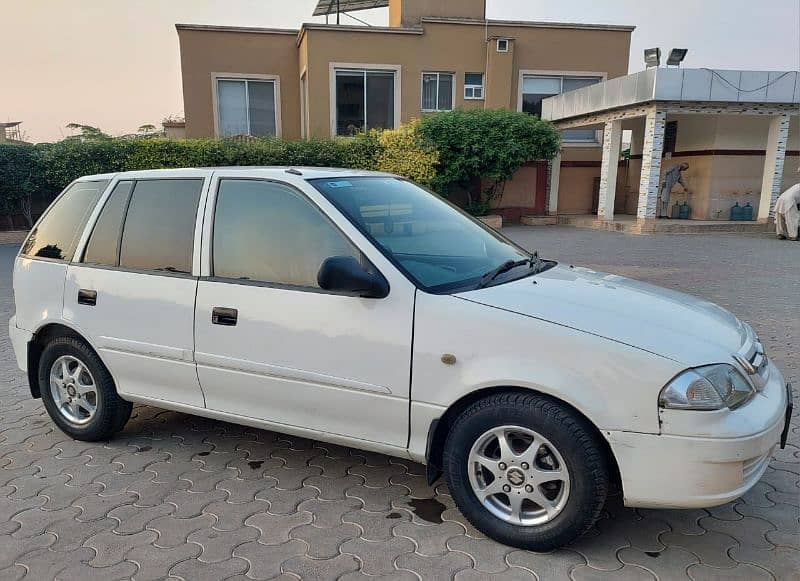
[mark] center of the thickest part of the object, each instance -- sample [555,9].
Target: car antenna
[294,172]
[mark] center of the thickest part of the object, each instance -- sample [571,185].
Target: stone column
[773,167]
[612,139]
[650,180]
[552,191]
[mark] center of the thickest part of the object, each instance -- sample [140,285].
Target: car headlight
[707,388]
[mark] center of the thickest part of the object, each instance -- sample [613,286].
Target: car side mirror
[345,274]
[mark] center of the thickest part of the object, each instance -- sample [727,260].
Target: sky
[115,64]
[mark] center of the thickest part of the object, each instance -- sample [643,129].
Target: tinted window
[268,232]
[57,234]
[437,245]
[159,225]
[103,246]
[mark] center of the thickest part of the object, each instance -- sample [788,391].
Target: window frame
[438,74]
[102,204]
[598,141]
[474,87]
[276,81]
[197,239]
[212,277]
[507,44]
[90,220]
[334,67]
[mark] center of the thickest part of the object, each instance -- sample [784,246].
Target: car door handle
[224,316]
[87,297]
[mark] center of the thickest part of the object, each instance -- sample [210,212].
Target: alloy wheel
[518,475]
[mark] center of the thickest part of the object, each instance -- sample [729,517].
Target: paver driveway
[190,498]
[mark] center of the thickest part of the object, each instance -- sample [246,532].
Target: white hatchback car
[360,309]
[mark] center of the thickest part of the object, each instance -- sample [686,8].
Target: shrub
[402,152]
[488,144]
[18,179]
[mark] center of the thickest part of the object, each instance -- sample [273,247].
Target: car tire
[544,487]
[78,391]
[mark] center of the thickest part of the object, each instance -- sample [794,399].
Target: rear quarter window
[158,234]
[57,233]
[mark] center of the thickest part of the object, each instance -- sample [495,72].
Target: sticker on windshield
[340,184]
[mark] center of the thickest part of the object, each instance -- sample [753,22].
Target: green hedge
[459,145]
[43,170]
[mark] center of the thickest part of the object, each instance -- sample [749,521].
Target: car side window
[268,232]
[103,246]
[57,233]
[158,234]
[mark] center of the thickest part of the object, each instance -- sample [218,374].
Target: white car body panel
[664,322]
[307,358]
[350,370]
[614,385]
[36,302]
[142,327]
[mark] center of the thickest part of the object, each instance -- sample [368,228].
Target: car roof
[276,172]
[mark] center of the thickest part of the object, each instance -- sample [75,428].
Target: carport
[732,127]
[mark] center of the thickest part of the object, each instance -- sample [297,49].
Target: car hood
[664,322]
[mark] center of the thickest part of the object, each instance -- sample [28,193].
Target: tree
[86,132]
[485,145]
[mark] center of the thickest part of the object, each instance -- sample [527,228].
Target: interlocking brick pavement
[181,497]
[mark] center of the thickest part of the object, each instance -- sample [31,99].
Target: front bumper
[19,341]
[682,471]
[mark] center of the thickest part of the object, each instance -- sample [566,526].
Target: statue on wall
[673,176]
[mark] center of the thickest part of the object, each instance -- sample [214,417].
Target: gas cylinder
[685,211]
[747,212]
[737,212]
[676,211]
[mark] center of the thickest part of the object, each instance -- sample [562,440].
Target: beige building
[328,80]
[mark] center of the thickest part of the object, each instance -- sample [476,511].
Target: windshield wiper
[505,267]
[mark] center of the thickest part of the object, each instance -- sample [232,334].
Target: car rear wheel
[526,470]
[79,392]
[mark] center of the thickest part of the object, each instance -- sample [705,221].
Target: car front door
[271,344]
[132,291]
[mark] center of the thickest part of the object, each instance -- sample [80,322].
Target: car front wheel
[526,470]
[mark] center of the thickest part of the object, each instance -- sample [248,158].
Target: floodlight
[676,56]
[652,57]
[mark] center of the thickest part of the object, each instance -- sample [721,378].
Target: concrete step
[631,225]
[538,220]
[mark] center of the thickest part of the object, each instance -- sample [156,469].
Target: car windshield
[440,247]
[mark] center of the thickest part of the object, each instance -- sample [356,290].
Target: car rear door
[132,292]
[271,344]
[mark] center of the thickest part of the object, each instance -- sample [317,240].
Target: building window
[502,45]
[304,129]
[473,86]
[437,91]
[670,137]
[247,107]
[536,88]
[365,99]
